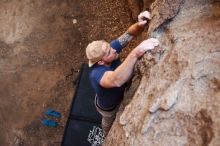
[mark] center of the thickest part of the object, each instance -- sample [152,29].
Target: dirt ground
[42,45]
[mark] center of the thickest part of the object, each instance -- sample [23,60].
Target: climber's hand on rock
[146,45]
[142,18]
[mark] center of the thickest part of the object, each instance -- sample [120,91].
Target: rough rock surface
[135,8]
[177,102]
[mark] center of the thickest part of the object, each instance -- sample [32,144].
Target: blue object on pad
[50,123]
[53,113]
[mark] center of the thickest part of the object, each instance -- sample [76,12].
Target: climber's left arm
[133,31]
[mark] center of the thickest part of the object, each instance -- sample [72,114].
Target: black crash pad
[83,127]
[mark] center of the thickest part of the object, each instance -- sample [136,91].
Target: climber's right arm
[123,72]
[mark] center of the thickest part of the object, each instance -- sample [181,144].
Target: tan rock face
[177,102]
[135,7]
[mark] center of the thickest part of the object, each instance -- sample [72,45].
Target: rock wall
[177,102]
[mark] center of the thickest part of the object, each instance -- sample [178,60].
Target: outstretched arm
[132,31]
[138,27]
[123,72]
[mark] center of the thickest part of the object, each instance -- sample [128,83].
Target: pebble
[74,21]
